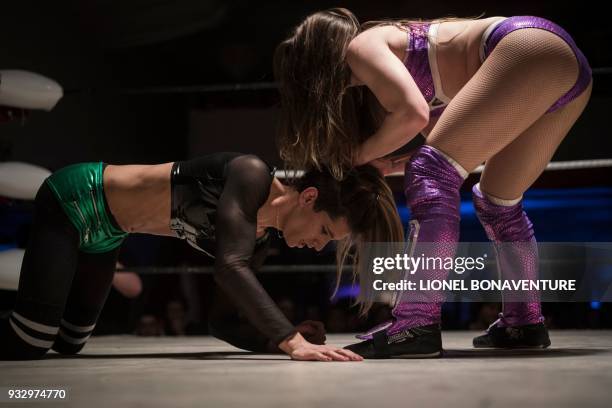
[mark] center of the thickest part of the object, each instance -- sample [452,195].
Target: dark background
[101,49]
[129,70]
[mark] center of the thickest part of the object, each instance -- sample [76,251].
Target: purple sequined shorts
[516,23]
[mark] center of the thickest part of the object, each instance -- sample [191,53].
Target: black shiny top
[215,200]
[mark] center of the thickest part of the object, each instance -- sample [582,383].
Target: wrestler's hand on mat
[313,331]
[299,349]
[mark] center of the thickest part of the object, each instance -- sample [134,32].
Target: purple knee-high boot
[511,232]
[432,183]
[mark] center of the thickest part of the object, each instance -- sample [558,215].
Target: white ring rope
[552,166]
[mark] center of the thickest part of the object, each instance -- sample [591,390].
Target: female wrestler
[503,91]
[221,204]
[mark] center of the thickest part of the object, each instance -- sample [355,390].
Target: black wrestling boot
[528,336]
[417,342]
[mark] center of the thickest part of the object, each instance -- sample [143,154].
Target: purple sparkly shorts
[511,24]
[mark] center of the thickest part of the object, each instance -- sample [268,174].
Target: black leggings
[61,289]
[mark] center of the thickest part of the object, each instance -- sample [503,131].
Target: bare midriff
[139,197]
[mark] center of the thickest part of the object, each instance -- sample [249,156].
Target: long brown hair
[319,112]
[365,199]
[323,120]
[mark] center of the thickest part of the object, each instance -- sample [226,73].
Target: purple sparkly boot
[521,322]
[432,183]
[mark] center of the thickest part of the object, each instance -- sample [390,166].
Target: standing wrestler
[500,91]
[222,204]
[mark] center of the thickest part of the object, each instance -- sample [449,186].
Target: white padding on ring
[21,180]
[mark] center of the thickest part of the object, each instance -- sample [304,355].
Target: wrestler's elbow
[414,117]
[406,125]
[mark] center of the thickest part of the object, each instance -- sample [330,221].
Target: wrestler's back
[139,197]
[457,51]
[458,45]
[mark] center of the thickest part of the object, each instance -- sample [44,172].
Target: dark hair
[365,199]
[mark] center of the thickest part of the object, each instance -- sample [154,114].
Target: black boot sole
[498,338]
[414,343]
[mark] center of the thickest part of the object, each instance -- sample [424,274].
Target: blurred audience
[175,322]
[487,314]
[149,325]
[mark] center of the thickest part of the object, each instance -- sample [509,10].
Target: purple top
[417,63]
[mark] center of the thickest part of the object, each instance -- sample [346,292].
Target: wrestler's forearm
[224,323]
[246,293]
[397,129]
[241,335]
